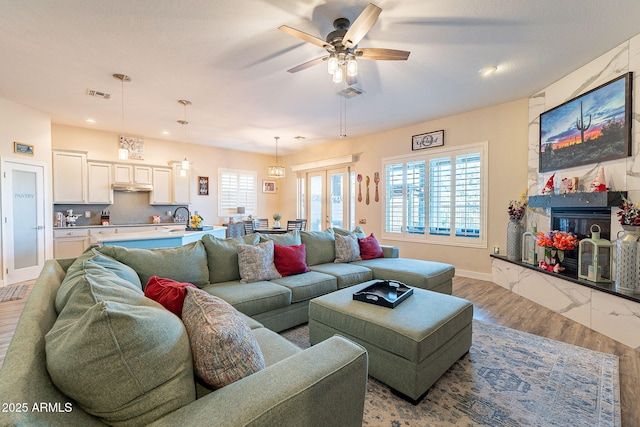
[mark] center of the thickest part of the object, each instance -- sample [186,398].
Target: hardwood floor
[492,304]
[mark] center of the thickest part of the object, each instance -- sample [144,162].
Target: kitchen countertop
[173,235]
[162,224]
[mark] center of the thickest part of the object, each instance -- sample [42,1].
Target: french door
[22,220]
[328,199]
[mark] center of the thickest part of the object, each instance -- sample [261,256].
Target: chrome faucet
[188,214]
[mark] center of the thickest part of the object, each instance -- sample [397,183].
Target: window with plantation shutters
[236,188]
[437,196]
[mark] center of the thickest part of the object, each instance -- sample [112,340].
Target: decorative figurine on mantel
[598,184]
[549,187]
[569,185]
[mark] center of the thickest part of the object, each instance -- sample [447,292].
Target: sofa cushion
[77,269]
[222,256]
[347,274]
[251,298]
[320,246]
[357,231]
[430,275]
[167,292]
[308,285]
[186,263]
[121,356]
[347,248]
[370,248]
[290,238]
[223,346]
[256,262]
[290,260]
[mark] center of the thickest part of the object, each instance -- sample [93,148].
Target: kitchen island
[167,237]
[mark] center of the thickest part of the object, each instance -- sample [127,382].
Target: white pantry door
[23,239]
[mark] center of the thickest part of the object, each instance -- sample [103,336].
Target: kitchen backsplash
[127,208]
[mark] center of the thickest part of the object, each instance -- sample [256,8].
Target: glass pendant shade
[352,67]
[185,164]
[595,257]
[332,64]
[337,76]
[276,171]
[123,154]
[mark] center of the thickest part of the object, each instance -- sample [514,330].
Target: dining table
[270,230]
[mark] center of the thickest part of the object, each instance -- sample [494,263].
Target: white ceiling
[230,61]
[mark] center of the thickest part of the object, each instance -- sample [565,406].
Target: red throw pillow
[290,260]
[169,293]
[370,248]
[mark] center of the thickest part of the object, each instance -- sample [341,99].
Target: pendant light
[185,163]
[276,171]
[123,151]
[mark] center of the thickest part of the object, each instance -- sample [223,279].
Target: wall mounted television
[591,128]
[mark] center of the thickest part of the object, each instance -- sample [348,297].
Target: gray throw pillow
[347,248]
[256,262]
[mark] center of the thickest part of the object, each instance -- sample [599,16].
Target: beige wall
[504,126]
[205,161]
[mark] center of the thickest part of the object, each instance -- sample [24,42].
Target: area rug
[13,292]
[509,378]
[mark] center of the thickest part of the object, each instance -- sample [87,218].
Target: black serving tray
[387,293]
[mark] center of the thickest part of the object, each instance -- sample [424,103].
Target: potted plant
[276,220]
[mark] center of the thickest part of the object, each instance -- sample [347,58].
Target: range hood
[132,187]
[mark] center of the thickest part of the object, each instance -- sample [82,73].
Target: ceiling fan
[342,46]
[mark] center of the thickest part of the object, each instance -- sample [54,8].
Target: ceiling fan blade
[361,25]
[308,64]
[306,37]
[384,54]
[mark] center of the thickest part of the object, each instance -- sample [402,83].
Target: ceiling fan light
[337,76]
[332,64]
[352,67]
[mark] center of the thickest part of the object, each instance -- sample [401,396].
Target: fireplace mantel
[599,199]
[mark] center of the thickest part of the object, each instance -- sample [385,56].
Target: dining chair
[263,222]
[294,225]
[248,226]
[303,223]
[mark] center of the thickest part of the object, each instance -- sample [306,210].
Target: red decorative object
[370,248]
[549,187]
[167,292]
[290,260]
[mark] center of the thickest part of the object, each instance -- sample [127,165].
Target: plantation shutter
[236,188]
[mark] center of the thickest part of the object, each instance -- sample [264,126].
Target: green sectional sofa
[323,385]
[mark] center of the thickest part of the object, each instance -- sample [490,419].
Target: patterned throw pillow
[370,248]
[167,292]
[256,262]
[290,260]
[223,347]
[347,248]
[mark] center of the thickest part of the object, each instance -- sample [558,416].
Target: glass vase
[514,240]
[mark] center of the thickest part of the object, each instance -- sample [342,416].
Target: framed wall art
[268,186]
[135,146]
[19,147]
[427,140]
[203,185]
[591,128]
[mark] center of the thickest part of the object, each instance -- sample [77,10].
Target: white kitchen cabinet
[69,176]
[181,185]
[162,187]
[99,187]
[132,174]
[70,242]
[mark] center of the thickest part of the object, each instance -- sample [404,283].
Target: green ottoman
[410,346]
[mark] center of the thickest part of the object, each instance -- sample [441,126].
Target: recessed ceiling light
[90,121]
[166,132]
[486,71]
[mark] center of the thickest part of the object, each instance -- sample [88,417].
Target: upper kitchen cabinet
[99,189]
[132,174]
[69,176]
[181,185]
[161,193]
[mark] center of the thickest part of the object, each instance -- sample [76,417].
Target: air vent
[98,94]
[350,92]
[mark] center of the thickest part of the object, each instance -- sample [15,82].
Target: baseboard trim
[475,275]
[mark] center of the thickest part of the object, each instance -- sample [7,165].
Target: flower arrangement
[555,243]
[517,208]
[196,220]
[629,213]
